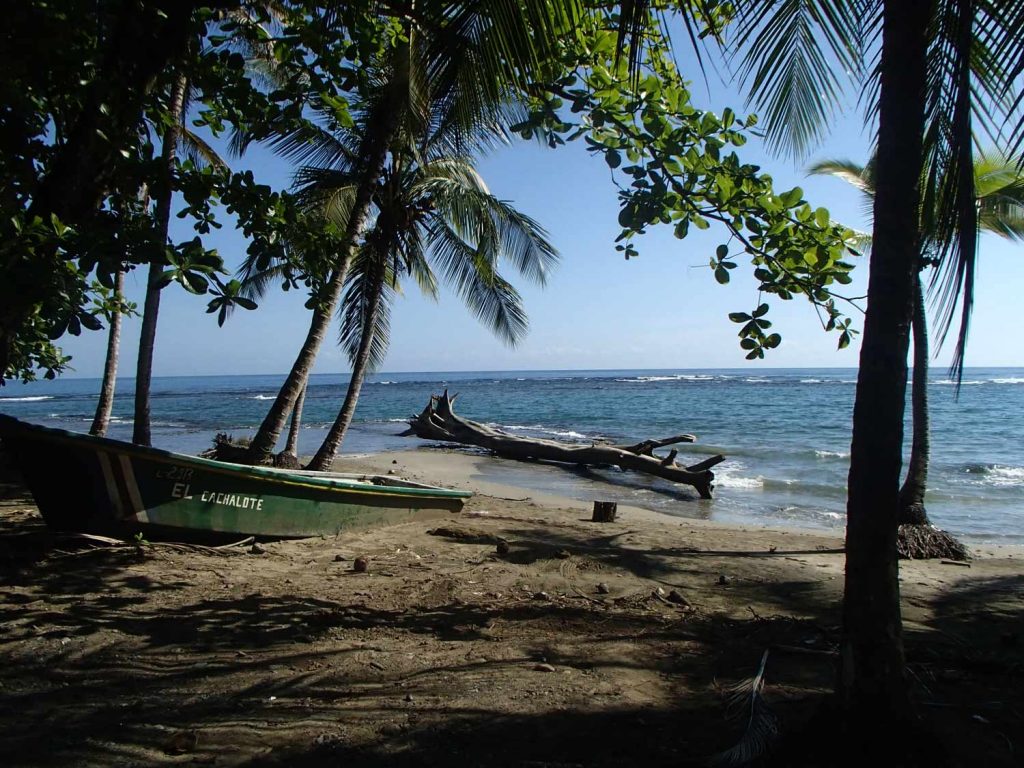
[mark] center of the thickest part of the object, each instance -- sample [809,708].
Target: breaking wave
[996,474]
[832,454]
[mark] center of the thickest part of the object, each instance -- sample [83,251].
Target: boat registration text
[232,500]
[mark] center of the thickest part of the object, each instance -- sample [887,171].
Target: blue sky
[662,310]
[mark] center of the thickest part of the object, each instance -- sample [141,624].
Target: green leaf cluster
[678,166]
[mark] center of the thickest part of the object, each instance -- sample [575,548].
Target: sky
[597,311]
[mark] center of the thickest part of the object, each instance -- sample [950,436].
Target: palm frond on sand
[746,702]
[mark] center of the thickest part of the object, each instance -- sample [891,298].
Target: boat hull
[84,483]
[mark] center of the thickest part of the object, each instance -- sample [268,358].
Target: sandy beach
[516,633]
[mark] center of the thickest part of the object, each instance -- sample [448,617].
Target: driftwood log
[439,422]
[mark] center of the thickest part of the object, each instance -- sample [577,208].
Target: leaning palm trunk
[261,449]
[325,455]
[912,510]
[105,406]
[872,685]
[141,433]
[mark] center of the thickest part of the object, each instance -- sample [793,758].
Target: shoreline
[465,470]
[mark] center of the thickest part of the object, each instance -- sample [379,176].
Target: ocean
[785,432]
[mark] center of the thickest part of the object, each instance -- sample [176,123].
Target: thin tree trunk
[105,406]
[291,448]
[141,433]
[261,449]
[871,683]
[145,39]
[325,455]
[912,509]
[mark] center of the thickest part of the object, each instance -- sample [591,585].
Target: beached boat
[93,484]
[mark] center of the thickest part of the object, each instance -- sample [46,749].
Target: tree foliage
[80,133]
[57,231]
[679,166]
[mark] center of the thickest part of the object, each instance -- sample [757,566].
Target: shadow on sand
[107,657]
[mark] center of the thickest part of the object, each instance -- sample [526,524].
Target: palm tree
[105,405]
[999,185]
[113,307]
[177,139]
[472,59]
[433,212]
[162,218]
[941,64]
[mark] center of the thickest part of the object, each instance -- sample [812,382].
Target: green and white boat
[97,485]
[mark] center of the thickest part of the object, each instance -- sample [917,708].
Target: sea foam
[568,433]
[1000,475]
[832,454]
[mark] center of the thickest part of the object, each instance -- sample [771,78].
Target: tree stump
[604,512]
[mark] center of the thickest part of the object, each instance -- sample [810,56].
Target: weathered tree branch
[439,422]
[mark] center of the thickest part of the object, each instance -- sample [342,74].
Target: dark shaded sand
[560,652]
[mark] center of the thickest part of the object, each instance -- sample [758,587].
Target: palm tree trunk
[329,448]
[105,406]
[151,309]
[261,449]
[291,447]
[912,509]
[871,684]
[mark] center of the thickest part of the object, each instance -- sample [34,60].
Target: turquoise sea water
[786,432]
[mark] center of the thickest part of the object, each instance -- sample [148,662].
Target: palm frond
[418,267]
[797,58]
[491,298]
[999,183]
[331,192]
[255,281]
[196,149]
[310,144]
[454,168]
[523,241]
[494,226]
[847,170]
[368,291]
[258,25]
[956,209]
[746,702]
[480,57]
[999,65]
[513,41]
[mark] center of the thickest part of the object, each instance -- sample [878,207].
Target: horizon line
[510,370]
